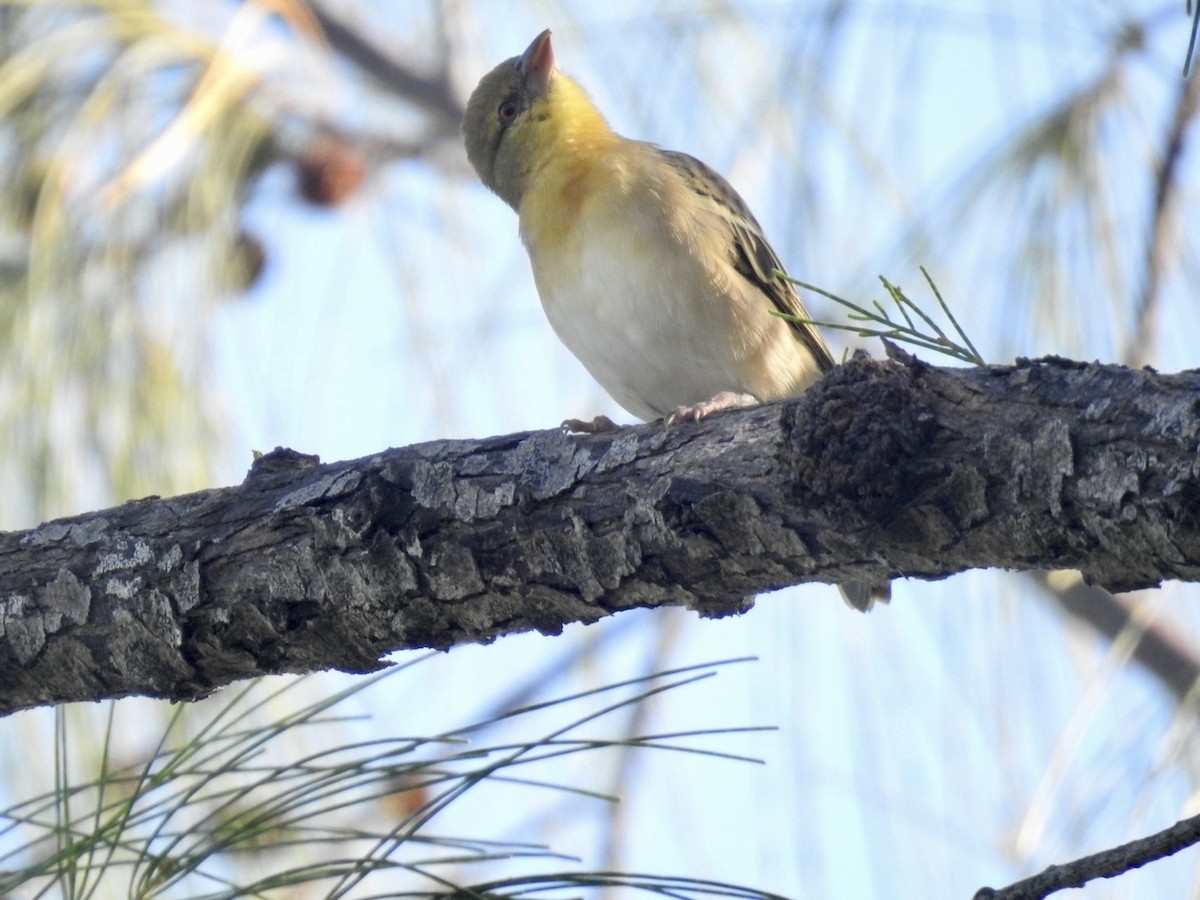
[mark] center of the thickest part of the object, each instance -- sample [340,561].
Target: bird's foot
[596,426]
[716,403]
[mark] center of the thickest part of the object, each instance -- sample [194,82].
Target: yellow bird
[650,267]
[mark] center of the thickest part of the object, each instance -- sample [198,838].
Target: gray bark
[884,468]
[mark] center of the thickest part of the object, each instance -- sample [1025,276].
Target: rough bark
[883,468]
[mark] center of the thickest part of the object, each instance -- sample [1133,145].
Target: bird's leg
[716,403]
[596,426]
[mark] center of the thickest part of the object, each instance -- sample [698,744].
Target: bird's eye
[507,111]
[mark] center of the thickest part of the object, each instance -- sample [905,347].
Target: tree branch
[883,468]
[1105,864]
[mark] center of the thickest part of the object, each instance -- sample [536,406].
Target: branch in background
[1105,864]
[1195,14]
[432,93]
[1166,188]
[1171,659]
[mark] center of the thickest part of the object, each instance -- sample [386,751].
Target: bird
[650,267]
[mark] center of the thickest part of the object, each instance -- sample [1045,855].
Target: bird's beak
[536,64]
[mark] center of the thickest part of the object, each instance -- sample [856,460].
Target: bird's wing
[749,251]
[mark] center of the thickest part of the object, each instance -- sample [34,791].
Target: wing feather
[749,251]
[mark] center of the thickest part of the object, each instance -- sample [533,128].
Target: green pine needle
[921,331]
[215,811]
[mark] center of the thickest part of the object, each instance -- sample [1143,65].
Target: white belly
[656,327]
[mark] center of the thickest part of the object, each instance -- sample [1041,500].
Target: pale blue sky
[913,742]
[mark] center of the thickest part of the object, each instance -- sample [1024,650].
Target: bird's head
[519,114]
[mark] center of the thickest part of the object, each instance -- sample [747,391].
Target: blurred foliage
[163,161]
[103,375]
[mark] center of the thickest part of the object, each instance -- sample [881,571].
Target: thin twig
[1105,864]
[949,315]
[906,331]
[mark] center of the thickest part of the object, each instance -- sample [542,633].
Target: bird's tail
[862,595]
